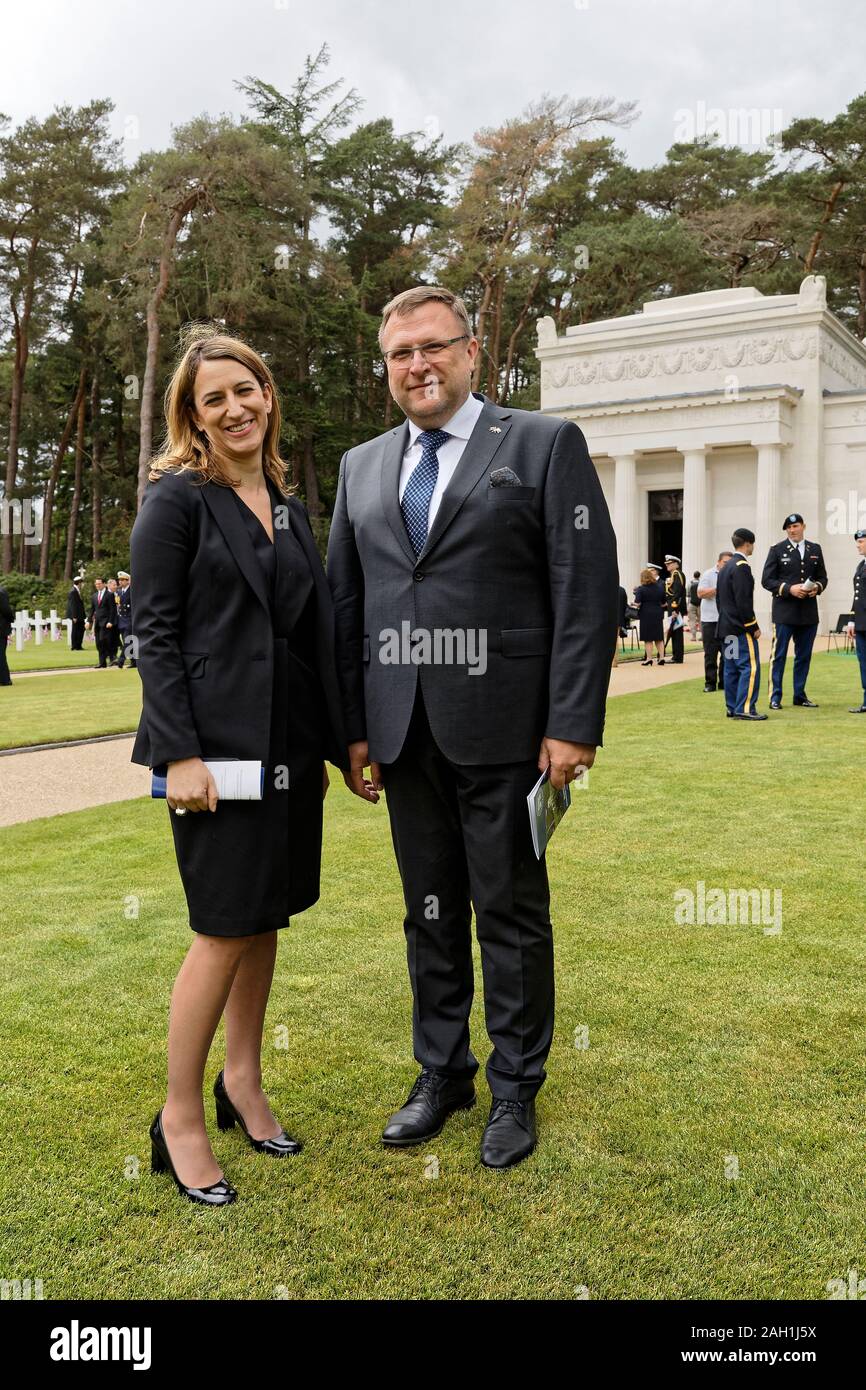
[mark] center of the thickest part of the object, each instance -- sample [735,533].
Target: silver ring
[179,811]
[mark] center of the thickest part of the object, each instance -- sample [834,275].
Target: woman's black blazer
[203,626]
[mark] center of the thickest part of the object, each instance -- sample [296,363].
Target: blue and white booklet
[547,806]
[237,779]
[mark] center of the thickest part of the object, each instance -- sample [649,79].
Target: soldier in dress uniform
[739,631]
[676,603]
[795,575]
[124,620]
[857,626]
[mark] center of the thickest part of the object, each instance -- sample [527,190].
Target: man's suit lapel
[393,449]
[490,431]
[224,510]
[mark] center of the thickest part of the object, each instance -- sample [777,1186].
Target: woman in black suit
[649,598]
[234,632]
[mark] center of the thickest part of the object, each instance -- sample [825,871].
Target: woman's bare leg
[245,1021]
[197,1002]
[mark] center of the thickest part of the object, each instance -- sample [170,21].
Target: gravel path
[56,780]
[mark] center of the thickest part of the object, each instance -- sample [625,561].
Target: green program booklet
[547,806]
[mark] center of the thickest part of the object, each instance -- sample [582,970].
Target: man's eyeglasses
[429,351]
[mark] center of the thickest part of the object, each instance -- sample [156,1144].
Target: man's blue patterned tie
[415,503]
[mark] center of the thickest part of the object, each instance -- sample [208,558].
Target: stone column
[625,520]
[694,555]
[768,522]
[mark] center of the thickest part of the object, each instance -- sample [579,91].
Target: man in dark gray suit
[473,568]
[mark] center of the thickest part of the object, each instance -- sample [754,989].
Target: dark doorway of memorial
[665,529]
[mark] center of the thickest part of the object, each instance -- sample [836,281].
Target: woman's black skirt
[249,866]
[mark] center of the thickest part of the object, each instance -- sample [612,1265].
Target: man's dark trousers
[462,840]
[860,643]
[742,665]
[713,672]
[804,637]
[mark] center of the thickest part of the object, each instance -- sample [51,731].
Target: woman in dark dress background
[235,648]
[649,598]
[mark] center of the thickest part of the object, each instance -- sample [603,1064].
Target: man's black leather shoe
[775,704]
[431,1100]
[806,703]
[751,717]
[510,1134]
[709,689]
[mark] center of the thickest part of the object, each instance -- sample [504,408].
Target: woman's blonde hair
[648,577]
[185,446]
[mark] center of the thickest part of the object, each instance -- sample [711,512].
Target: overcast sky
[448,66]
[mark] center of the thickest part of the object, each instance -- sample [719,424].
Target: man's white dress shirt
[460,426]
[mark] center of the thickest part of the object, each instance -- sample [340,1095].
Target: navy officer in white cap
[857,626]
[795,575]
[676,603]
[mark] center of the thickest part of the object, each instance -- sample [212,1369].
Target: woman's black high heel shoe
[217,1195]
[281,1146]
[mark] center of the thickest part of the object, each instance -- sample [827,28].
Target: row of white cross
[41,626]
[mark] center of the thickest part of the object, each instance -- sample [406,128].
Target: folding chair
[841,628]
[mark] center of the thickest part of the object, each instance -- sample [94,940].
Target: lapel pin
[494,429]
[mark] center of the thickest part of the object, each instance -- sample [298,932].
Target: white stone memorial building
[712,411]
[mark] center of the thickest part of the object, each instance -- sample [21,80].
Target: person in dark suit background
[495,515]
[103,620]
[857,625]
[76,611]
[649,600]
[113,628]
[235,632]
[7,618]
[738,630]
[790,568]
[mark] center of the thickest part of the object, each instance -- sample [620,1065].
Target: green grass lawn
[49,655]
[705,1042]
[48,709]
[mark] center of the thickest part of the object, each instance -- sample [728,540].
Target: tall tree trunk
[75,504]
[480,332]
[495,339]
[21,326]
[55,474]
[861,297]
[311,482]
[148,387]
[95,473]
[819,230]
[518,329]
